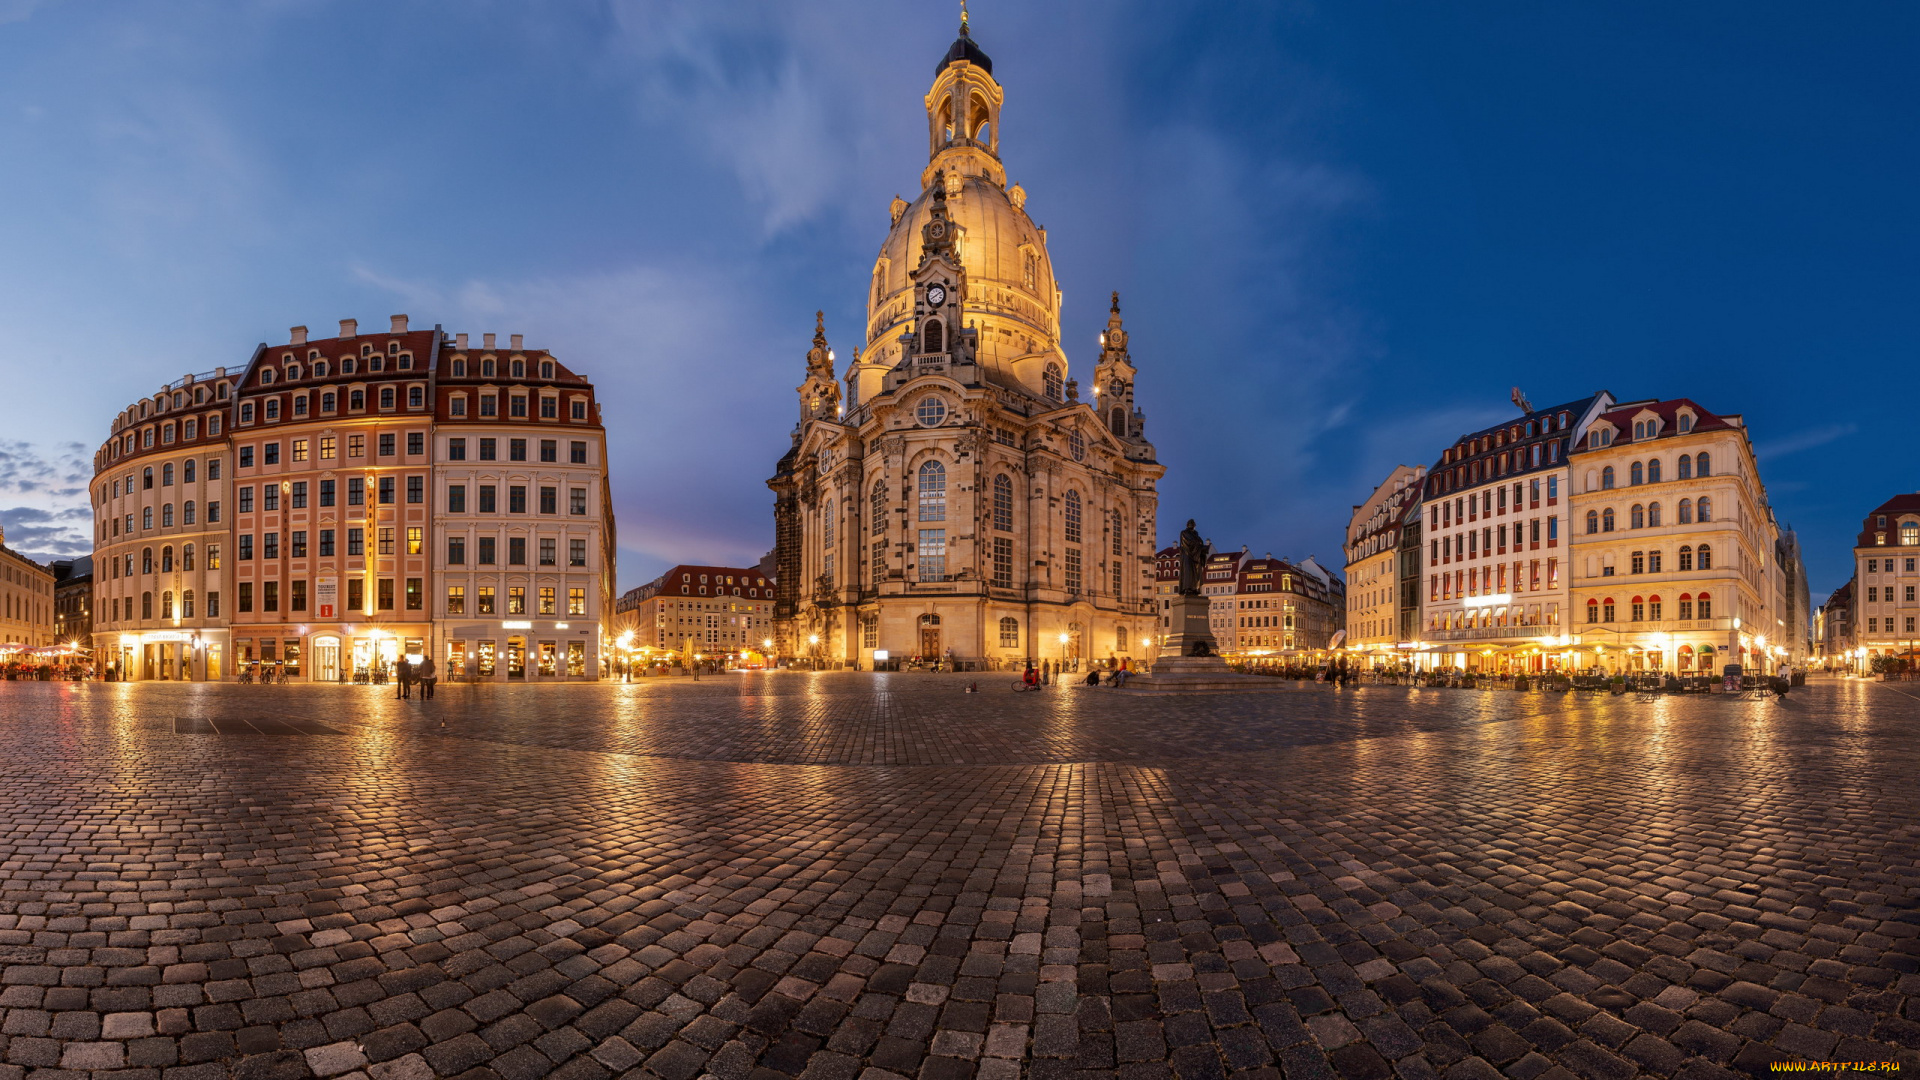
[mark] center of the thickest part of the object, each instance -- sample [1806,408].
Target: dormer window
[406,361]
[1685,422]
[546,369]
[519,368]
[319,369]
[375,364]
[313,354]
[266,376]
[393,348]
[460,367]
[366,350]
[293,372]
[347,365]
[486,367]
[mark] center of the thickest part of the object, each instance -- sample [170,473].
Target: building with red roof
[720,610]
[1886,556]
[1675,555]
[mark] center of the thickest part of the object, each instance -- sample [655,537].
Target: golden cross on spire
[963,18]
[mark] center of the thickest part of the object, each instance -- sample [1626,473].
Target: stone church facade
[951,497]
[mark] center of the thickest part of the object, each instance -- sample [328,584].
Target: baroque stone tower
[959,503]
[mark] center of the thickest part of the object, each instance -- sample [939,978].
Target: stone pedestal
[1179,671]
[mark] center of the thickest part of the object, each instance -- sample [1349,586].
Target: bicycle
[1020,686]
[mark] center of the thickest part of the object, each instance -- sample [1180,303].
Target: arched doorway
[326,659]
[930,636]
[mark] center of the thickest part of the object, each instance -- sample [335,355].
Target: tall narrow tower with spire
[961,503]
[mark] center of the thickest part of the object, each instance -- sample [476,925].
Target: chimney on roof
[459,341]
[399,324]
[349,327]
[519,341]
[299,335]
[486,340]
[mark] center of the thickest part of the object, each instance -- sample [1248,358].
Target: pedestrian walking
[405,680]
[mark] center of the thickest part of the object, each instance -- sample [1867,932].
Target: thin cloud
[1803,440]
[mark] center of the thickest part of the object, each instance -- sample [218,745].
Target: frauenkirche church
[955,499]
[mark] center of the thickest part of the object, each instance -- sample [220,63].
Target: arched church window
[1051,383]
[1073,517]
[1009,633]
[1117,421]
[826,524]
[879,509]
[935,338]
[1003,503]
[1119,527]
[1120,639]
[933,492]
[1030,271]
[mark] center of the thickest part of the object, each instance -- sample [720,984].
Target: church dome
[1010,295]
[1011,298]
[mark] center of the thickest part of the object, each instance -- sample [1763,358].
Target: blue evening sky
[1341,231]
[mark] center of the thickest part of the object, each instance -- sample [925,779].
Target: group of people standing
[421,674]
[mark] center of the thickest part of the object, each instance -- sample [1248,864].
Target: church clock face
[937,295]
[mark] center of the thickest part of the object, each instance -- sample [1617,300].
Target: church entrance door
[930,637]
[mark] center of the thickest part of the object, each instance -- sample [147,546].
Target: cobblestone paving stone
[868,877]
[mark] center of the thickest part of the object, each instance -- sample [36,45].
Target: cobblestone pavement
[831,876]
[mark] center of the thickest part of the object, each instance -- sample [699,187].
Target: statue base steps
[1201,675]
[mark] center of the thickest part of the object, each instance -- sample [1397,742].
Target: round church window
[932,412]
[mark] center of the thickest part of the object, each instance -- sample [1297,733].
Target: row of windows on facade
[930,564]
[1909,533]
[1446,513]
[147,476]
[1874,565]
[1874,593]
[931,491]
[1649,516]
[1478,543]
[382,540]
[370,361]
[178,399]
[1642,429]
[385,492]
[1511,434]
[1649,472]
[387,396]
[1515,615]
[1509,461]
[1650,562]
[545,598]
[326,448]
[1650,609]
[188,431]
[1491,579]
[1873,625]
